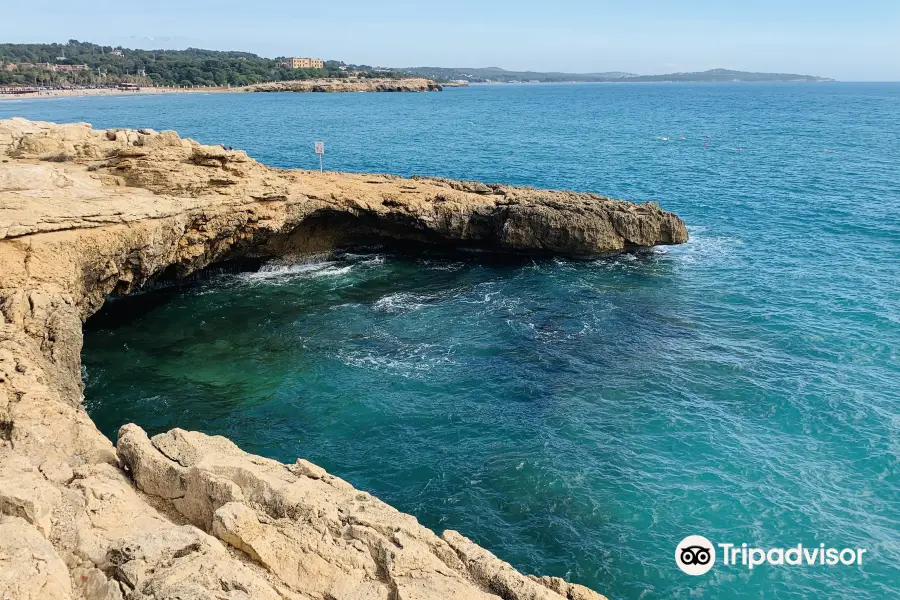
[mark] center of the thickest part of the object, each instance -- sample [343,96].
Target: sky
[855,40]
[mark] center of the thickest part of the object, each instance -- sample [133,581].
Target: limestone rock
[30,568]
[94,585]
[349,85]
[505,581]
[307,469]
[165,139]
[183,563]
[25,493]
[85,214]
[317,534]
[572,591]
[57,471]
[305,211]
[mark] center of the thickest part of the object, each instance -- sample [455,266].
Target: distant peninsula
[498,75]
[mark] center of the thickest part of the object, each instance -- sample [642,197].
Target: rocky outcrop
[313,531]
[71,176]
[85,214]
[349,85]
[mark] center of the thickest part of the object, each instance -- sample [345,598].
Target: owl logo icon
[695,555]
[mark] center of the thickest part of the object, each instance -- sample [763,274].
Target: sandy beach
[308,85]
[117,92]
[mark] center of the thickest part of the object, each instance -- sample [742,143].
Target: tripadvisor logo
[696,555]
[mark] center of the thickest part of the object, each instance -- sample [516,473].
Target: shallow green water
[577,418]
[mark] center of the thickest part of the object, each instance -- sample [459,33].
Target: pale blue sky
[848,40]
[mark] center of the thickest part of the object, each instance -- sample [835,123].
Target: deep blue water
[576,418]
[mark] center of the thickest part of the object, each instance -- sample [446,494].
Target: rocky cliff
[349,85]
[87,213]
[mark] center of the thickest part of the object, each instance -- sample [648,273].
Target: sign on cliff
[320,150]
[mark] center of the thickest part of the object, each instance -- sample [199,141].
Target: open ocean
[577,418]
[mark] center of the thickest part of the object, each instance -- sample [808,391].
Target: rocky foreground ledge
[85,214]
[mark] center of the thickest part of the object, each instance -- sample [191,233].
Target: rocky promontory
[85,214]
[349,85]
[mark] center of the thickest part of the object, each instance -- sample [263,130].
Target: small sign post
[320,150]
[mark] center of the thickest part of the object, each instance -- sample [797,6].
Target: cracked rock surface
[87,213]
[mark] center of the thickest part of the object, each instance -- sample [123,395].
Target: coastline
[300,86]
[417,84]
[87,214]
[93,92]
[623,82]
[328,86]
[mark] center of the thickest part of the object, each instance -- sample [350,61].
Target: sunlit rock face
[87,213]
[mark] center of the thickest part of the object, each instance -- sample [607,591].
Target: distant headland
[498,75]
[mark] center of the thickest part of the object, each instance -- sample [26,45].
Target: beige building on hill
[42,67]
[71,68]
[305,63]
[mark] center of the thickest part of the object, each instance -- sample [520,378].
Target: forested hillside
[157,67]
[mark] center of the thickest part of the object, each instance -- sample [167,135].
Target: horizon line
[526,70]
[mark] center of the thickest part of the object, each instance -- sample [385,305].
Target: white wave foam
[332,271]
[279,272]
[705,247]
[402,302]
[271,271]
[479,297]
[345,305]
[441,265]
[368,258]
[408,361]
[374,260]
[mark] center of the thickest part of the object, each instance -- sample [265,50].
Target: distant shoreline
[73,93]
[302,86]
[85,92]
[632,82]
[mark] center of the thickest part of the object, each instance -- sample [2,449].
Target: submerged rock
[87,213]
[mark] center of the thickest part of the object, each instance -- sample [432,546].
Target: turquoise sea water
[577,418]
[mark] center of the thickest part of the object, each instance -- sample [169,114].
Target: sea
[576,418]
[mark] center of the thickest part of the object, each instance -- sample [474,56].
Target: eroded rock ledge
[85,214]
